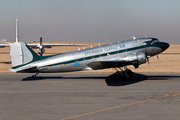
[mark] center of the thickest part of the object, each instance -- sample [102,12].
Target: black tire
[129,72]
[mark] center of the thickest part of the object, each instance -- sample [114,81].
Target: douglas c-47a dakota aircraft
[134,52]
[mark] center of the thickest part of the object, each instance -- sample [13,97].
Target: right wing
[49,45]
[46,45]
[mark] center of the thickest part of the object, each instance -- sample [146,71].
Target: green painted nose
[164,45]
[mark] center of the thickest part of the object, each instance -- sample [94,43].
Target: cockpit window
[154,40]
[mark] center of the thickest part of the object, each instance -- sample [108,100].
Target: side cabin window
[81,59]
[92,57]
[87,58]
[97,56]
[112,53]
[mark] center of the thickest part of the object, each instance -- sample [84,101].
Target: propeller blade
[146,55]
[41,41]
[157,57]
[41,47]
[148,60]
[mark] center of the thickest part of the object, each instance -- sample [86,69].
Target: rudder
[21,54]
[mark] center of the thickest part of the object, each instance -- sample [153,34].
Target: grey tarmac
[90,96]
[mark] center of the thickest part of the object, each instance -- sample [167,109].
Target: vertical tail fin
[20,53]
[17,31]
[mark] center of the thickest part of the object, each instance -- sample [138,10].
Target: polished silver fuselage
[78,60]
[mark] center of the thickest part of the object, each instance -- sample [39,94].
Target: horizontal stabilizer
[5,44]
[26,69]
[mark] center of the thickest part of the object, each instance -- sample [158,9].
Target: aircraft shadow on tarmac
[58,77]
[115,79]
[162,77]
[41,78]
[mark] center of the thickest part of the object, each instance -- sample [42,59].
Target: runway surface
[89,96]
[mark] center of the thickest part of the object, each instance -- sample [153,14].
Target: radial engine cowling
[41,49]
[141,58]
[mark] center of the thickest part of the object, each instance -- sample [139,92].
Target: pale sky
[83,20]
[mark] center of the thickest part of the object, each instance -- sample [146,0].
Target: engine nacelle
[141,58]
[41,49]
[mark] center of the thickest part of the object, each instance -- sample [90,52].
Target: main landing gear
[126,73]
[34,76]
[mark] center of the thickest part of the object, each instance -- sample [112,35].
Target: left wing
[110,64]
[135,59]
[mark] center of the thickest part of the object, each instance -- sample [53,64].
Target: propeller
[41,49]
[147,60]
[147,57]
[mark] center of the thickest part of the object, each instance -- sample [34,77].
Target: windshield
[154,40]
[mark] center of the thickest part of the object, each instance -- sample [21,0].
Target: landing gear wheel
[127,75]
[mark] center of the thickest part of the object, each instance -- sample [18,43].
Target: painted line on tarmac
[166,95]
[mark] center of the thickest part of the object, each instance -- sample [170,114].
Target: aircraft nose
[164,46]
